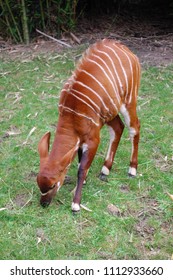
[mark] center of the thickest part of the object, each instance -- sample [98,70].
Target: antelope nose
[44,203]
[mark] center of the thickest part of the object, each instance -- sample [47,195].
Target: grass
[143,229]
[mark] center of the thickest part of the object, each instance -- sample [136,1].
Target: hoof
[75,208]
[75,212]
[103,177]
[132,172]
[131,175]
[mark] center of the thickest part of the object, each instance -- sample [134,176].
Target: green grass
[29,96]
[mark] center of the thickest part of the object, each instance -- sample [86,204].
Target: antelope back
[106,78]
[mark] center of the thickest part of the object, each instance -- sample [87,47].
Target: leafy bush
[19,19]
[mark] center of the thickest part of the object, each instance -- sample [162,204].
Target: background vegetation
[130,218]
[20,19]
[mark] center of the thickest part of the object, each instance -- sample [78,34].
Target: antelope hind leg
[116,128]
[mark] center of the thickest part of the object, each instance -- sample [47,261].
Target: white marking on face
[59,186]
[44,194]
[75,207]
[132,171]
[105,170]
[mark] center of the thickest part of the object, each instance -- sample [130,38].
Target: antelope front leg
[87,157]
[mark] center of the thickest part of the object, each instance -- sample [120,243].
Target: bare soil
[149,36]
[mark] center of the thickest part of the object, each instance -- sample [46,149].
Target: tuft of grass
[143,228]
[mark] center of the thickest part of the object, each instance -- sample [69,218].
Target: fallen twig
[2,209]
[85,208]
[170,195]
[77,40]
[30,133]
[54,39]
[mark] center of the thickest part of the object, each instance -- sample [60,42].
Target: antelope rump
[104,84]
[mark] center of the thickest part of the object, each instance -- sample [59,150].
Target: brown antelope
[104,84]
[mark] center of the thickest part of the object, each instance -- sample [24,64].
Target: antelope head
[52,169]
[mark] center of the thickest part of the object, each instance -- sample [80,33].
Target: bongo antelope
[104,84]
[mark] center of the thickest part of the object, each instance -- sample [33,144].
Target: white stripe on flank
[121,65]
[99,113]
[110,80]
[89,99]
[131,68]
[93,91]
[110,72]
[79,114]
[133,56]
[83,101]
[93,61]
[116,73]
[136,60]
[102,87]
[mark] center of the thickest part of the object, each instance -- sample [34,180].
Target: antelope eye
[53,186]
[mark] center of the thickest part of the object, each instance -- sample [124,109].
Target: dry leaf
[12,131]
[38,240]
[170,195]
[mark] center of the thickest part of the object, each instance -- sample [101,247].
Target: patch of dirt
[125,188]
[20,201]
[146,229]
[150,36]
[113,210]
[41,236]
[32,175]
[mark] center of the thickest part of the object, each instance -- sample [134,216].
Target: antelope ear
[43,147]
